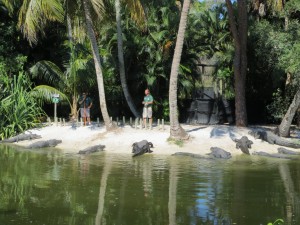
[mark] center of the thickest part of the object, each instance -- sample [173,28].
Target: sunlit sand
[202,138]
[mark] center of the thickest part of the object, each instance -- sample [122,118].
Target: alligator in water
[141,147]
[219,153]
[45,144]
[287,152]
[91,149]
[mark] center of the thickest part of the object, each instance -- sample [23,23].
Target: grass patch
[178,142]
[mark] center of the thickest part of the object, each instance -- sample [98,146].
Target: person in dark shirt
[85,103]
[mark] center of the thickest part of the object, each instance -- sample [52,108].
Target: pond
[47,187]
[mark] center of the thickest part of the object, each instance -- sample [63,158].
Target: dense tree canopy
[55,35]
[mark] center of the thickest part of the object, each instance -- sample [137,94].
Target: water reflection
[48,187]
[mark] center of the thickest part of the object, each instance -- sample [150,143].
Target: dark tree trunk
[126,92]
[239,27]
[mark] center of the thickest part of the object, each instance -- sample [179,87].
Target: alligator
[272,138]
[244,144]
[141,147]
[45,144]
[91,149]
[198,156]
[21,137]
[219,153]
[272,155]
[287,152]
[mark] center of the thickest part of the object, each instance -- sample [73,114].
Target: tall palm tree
[139,13]
[33,17]
[176,131]
[95,50]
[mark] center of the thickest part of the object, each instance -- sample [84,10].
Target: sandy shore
[121,140]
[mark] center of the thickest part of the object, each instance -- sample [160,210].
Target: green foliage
[277,222]
[274,53]
[278,107]
[19,110]
[225,75]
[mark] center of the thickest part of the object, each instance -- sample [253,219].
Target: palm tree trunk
[91,34]
[239,34]
[176,131]
[284,127]
[121,62]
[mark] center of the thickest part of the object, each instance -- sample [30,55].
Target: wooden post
[117,121]
[163,124]
[141,123]
[123,120]
[49,121]
[130,121]
[136,123]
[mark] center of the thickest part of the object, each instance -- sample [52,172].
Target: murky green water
[47,187]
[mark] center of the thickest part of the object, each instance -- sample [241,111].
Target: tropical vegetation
[115,49]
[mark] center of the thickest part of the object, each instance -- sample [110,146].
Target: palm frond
[34,15]
[9,5]
[137,12]
[48,71]
[44,93]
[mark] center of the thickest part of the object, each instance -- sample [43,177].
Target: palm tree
[176,131]
[137,6]
[77,77]
[95,50]
[33,16]
[239,32]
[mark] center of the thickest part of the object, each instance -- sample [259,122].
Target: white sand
[202,138]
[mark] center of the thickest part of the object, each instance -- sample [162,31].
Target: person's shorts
[147,112]
[85,112]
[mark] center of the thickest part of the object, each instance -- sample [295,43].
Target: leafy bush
[19,110]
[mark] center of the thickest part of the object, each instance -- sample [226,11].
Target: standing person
[147,111]
[85,103]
